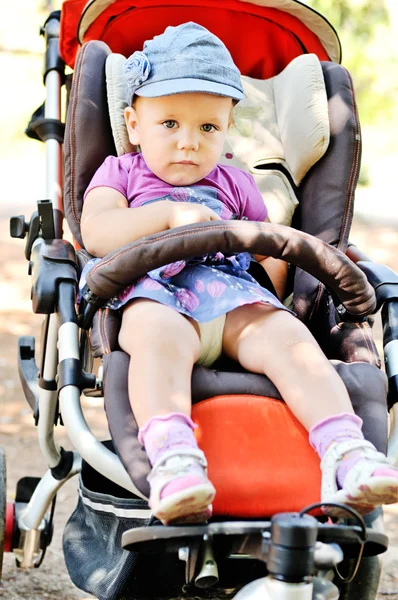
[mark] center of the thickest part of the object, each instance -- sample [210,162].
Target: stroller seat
[289,136]
[242,421]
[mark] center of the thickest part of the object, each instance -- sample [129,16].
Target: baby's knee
[295,333]
[298,333]
[149,324]
[140,319]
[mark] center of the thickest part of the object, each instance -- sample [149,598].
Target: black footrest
[25,488]
[28,370]
[236,537]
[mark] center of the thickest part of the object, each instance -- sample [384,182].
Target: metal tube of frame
[53,83]
[282,590]
[43,496]
[389,317]
[100,458]
[393,436]
[82,438]
[48,398]
[391,357]
[268,588]
[68,341]
[29,552]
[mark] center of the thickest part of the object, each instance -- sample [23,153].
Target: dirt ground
[18,435]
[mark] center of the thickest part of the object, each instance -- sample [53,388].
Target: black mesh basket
[92,547]
[98,564]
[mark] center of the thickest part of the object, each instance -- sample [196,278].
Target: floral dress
[202,288]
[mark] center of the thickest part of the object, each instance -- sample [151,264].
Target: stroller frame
[55,392]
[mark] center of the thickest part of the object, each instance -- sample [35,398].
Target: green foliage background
[369,53]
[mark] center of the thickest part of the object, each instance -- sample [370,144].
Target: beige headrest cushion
[283,120]
[116,92]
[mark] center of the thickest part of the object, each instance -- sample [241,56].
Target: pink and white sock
[171,432]
[342,428]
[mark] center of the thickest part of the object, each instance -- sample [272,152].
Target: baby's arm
[108,223]
[276,269]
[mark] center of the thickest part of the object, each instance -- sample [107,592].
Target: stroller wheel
[364,585]
[3,505]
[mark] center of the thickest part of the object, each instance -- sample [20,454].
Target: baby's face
[181,136]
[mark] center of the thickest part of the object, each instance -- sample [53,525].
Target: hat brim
[182,86]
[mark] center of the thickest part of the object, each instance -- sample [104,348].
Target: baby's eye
[170,124]
[208,127]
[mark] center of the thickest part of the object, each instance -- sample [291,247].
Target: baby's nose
[188,140]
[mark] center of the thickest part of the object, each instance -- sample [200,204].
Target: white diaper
[211,336]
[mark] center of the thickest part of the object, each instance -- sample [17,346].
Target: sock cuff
[322,434]
[336,418]
[170,417]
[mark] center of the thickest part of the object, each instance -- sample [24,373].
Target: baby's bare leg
[163,346]
[271,341]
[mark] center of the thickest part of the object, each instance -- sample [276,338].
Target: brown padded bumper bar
[326,263]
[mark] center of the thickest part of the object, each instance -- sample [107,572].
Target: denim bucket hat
[187,58]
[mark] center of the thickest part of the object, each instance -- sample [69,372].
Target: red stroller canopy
[263,36]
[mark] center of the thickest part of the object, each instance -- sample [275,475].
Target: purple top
[226,190]
[203,287]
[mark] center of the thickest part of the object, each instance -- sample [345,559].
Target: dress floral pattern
[203,288]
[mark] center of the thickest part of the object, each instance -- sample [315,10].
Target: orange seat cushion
[260,460]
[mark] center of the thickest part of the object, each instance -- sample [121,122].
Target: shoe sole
[379,491]
[191,505]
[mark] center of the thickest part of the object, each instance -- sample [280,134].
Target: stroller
[305,154]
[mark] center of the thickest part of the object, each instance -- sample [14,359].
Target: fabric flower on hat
[136,70]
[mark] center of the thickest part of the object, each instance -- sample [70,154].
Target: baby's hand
[185,213]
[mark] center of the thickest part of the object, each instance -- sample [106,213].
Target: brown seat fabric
[327,192]
[88,134]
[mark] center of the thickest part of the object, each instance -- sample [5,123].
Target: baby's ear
[231,120]
[130,116]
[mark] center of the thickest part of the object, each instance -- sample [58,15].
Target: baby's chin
[184,176]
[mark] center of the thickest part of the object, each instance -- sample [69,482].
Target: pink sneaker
[180,489]
[371,482]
